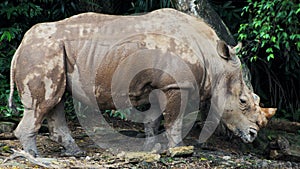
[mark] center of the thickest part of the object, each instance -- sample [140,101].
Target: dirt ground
[218,152]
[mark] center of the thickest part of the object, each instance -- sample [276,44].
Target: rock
[264,164]
[138,156]
[181,151]
[226,157]
[225,163]
[289,164]
[274,154]
[295,165]
[282,149]
[88,158]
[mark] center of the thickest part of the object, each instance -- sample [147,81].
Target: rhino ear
[228,52]
[222,49]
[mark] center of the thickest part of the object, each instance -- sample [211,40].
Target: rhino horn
[269,112]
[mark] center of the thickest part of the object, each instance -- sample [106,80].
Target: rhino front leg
[60,132]
[27,130]
[153,119]
[174,112]
[151,129]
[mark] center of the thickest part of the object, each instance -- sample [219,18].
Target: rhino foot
[149,143]
[29,144]
[73,153]
[33,152]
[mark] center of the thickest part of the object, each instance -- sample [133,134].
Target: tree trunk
[202,9]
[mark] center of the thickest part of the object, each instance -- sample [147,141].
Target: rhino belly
[102,96]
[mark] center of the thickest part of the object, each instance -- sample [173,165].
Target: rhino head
[242,114]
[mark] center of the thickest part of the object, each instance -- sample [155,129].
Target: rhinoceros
[164,50]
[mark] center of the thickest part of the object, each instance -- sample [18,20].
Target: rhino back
[96,44]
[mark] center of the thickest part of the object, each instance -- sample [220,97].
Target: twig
[29,157]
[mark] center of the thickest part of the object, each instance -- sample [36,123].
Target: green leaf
[227,4]
[287,44]
[269,50]
[298,45]
[292,37]
[285,35]
[203,159]
[242,36]
[246,9]
[266,36]
[277,46]
[6,35]
[263,43]
[255,4]
[271,56]
[269,137]
[6,148]
[254,58]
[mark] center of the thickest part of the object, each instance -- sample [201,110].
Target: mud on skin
[82,53]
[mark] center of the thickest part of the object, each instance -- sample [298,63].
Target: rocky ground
[218,152]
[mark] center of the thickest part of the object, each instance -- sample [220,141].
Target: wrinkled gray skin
[81,54]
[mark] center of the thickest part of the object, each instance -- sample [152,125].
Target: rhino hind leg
[40,77]
[27,130]
[33,116]
[35,111]
[60,132]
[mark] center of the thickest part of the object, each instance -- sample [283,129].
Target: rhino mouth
[247,135]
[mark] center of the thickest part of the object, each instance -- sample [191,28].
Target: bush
[271,41]
[273,26]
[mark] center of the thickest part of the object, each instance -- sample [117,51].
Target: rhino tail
[12,84]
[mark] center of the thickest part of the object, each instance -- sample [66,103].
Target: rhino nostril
[252,133]
[258,123]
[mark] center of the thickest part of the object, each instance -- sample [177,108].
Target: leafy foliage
[118,113]
[274,27]
[15,18]
[272,39]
